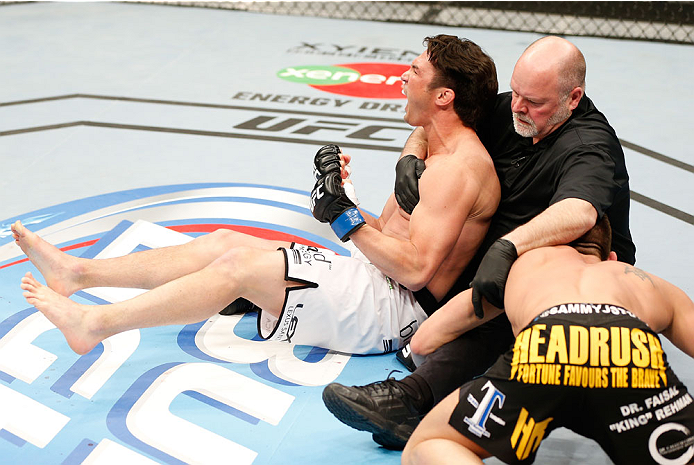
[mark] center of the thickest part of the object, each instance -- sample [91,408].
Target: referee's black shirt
[581,159]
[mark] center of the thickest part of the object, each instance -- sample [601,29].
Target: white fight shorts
[343,304]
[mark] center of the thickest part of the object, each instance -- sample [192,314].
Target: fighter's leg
[436,441]
[147,269]
[255,274]
[151,268]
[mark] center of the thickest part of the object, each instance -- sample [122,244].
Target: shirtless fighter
[586,357]
[359,304]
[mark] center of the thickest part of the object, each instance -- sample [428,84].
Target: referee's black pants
[466,357]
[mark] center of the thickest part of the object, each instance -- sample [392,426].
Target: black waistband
[585,309]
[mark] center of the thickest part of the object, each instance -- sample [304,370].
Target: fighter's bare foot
[69,317]
[60,270]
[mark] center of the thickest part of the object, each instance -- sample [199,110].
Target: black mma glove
[490,280]
[408,170]
[327,160]
[330,204]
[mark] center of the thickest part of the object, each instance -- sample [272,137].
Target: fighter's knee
[232,268]
[249,271]
[236,258]
[219,241]
[413,453]
[436,449]
[406,457]
[223,237]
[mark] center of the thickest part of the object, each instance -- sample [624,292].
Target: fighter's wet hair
[597,241]
[461,65]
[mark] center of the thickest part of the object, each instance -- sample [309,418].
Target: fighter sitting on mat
[586,357]
[359,304]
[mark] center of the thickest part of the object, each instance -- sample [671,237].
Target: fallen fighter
[362,304]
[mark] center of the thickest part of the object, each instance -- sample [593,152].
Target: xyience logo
[367,80]
[354,51]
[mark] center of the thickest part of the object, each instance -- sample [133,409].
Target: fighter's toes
[17,229]
[29,283]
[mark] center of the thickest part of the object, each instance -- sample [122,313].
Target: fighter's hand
[347,184]
[330,204]
[346,170]
[490,280]
[408,170]
[327,160]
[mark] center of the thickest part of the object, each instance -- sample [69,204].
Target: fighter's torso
[477,171]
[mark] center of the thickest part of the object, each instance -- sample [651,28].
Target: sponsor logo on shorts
[289,323]
[671,444]
[658,407]
[311,254]
[528,434]
[585,309]
[408,330]
[292,328]
[366,80]
[387,345]
[588,356]
[477,423]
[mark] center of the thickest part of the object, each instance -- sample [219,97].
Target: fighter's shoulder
[473,154]
[462,171]
[631,272]
[471,160]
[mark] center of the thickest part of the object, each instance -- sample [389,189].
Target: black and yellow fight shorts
[593,368]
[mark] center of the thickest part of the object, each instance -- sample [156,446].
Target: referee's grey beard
[557,119]
[522,130]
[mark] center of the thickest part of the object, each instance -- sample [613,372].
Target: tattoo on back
[640,273]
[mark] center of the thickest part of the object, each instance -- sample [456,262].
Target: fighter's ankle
[78,272]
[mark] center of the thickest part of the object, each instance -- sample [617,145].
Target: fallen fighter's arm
[449,322]
[447,197]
